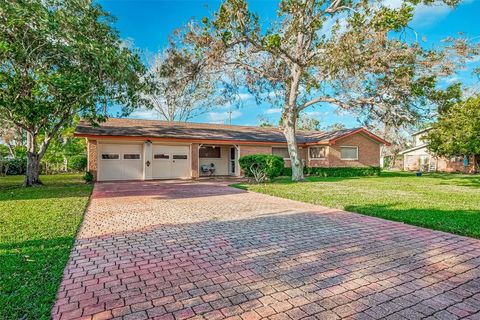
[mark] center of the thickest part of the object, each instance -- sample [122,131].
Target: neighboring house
[126,149]
[419,158]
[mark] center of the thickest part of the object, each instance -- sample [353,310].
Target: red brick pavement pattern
[186,250]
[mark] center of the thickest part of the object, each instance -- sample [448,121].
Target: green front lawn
[447,202]
[37,230]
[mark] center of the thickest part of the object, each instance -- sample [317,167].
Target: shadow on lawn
[44,192]
[460,180]
[335,259]
[31,272]
[462,222]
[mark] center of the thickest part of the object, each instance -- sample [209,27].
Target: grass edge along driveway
[446,202]
[37,231]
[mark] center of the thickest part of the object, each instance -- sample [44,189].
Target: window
[317,152]
[210,152]
[110,156]
[179,156]
[282,152]
[131,156]
[456,159]
[349,153]
[161,156]
[411,160]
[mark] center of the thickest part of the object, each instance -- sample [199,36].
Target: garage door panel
[120,162]
[171,162]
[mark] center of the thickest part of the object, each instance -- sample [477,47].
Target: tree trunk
[32,174]
[288,124]
[11,150]
[476,163]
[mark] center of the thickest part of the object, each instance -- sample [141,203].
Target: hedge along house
[127,149]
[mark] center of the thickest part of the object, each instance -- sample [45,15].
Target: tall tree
[59,59]
[457,131]
[305,122]
[335,127]
[353,54]
[183,87]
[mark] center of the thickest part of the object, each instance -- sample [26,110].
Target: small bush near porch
[37,230]
[447,202]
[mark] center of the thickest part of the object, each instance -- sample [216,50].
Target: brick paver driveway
[175,250]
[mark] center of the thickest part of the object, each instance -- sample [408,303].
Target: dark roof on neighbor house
[122,127]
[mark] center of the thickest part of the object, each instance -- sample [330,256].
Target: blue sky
[148,23]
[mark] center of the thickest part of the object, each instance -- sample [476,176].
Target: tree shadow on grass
[31,272]
[461,222]
[460,180]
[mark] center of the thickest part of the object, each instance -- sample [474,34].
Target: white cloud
[429,15]
[222,117]
[424,15]
[244,97]
[273,111]
[316,114]
[146,114]
[474,59]
[452,80]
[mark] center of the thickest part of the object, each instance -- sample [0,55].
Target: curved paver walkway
[178,250]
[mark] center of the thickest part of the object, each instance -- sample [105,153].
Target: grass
[37,230]
[447,202]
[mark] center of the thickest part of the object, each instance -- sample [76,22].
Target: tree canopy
[182,87]
[357,55]
[457,131]
[59,59]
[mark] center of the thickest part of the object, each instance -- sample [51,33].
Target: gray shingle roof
[200,131]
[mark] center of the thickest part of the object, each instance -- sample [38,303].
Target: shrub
[78,163]
[342,171]
[262,167]
[88,177]
[15,166]
[337,171]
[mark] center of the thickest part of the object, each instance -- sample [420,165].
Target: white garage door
[120,162]
[170,162]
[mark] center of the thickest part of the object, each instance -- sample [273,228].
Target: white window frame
[348,159]
[123,156]
[112,153]
[288,158]
[186,155]
[161,159]
[320,146]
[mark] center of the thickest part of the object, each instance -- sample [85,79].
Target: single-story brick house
[127,149]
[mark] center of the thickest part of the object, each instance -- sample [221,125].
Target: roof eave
[360,130]
[185,140]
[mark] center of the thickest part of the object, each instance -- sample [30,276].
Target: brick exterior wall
[368,152]
[194,151]
[246,150]
[92,165]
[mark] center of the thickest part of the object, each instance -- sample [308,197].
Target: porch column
[194,155]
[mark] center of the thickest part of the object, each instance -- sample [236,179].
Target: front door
[232,161]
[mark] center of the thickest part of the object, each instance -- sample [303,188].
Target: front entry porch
[218,160]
